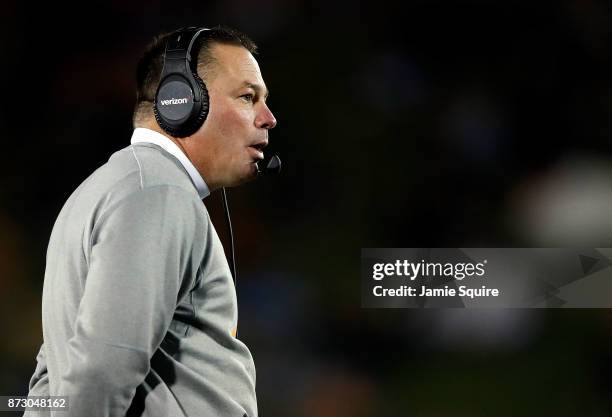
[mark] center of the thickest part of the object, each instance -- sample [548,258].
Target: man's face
[231,140]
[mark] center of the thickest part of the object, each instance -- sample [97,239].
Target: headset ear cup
[199,115]
[168,125]
[204,106]
[196,118]
[160,120]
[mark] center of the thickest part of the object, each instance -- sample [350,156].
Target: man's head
[238,119]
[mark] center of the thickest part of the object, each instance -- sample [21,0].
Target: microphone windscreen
[274,166]
[271,166]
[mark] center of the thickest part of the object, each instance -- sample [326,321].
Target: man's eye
[247,97]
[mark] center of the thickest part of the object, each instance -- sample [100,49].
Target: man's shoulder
[156,166]
[139,166]
[129,171]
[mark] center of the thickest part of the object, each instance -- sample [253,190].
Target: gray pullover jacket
[139,308]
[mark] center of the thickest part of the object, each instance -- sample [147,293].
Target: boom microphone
[271,166]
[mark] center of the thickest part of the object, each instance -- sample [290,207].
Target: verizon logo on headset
[174,101]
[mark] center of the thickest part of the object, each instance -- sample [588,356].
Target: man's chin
[249,175]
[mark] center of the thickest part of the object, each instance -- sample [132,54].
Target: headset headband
[178,56]
[180,45]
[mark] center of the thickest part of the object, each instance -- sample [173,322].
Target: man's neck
[152,125]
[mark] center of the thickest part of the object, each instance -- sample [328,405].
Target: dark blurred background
[426,124]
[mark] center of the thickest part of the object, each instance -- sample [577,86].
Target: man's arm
[39,383]
[141,263]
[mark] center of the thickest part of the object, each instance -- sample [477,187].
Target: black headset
[181,101]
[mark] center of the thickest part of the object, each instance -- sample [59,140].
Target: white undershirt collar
[142,134]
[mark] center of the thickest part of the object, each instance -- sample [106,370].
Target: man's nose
[265,119]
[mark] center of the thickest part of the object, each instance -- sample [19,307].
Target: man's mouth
[257,150]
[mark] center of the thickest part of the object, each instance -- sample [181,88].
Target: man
[139,307]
